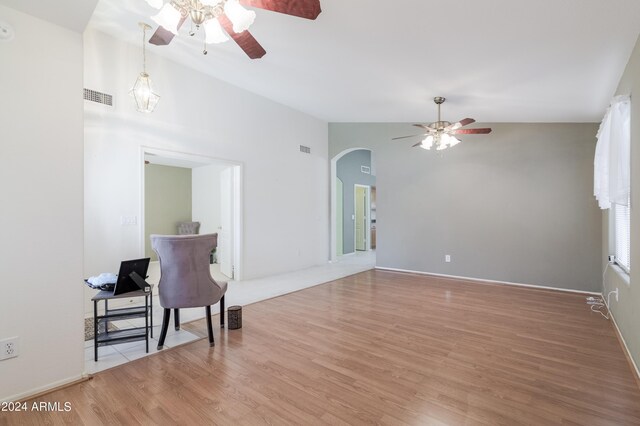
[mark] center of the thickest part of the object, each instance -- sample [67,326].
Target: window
[622,237]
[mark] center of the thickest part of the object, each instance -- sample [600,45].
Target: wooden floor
[378,347]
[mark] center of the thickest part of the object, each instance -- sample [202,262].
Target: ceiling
[375,61]
[71,14]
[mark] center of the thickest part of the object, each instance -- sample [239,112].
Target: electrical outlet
[128,220]
[9,348]
[447,258]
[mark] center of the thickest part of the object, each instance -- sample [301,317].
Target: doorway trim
[238,188]
[334,202]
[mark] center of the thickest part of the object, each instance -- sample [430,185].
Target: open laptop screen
[125,283]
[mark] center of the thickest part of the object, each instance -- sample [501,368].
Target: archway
[336,203]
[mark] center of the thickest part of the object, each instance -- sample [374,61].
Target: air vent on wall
[99,97]
[305,149]
[365,169]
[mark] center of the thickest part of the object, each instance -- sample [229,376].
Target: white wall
[285,191]
[205,197]
[41,204]
[626,310]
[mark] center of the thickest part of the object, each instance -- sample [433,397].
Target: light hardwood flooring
[377,347]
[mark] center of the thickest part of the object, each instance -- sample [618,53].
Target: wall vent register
[99,97]
[305,149]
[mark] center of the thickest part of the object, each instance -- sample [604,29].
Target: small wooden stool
[234,314]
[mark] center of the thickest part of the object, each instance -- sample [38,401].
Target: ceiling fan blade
[461,123]
[470,131]
[405,137]
[418,144]
[309,9]
[162,36]
[427,128]
[245,40]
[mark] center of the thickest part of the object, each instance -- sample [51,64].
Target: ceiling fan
[222,17]
[442,134]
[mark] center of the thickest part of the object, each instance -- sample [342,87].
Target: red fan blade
[427,128]
[245,40]
[461,123]
[309,9]
[162,36]
[404,137]
[470,131]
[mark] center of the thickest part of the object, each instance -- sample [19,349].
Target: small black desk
[125,335]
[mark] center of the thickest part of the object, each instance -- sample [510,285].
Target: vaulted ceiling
[379,61]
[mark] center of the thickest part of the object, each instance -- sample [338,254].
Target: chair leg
[165,326]
[176,318]
[209,326]
[222,312]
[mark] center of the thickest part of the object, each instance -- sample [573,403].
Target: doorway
[214,187]
[351,167]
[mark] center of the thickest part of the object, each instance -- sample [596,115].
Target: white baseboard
[43,389]
[482,280]
[624,342]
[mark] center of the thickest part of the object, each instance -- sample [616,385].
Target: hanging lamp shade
[142,91]
[213,32]
[168,18]
[427,143]
[143,94]
[240,17]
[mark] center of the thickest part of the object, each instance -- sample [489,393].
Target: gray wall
[515,205]
[627,311]
[167,201]
[349,172]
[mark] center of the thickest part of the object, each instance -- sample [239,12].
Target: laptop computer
[131,276]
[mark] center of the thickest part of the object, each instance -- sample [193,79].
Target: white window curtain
[612,163]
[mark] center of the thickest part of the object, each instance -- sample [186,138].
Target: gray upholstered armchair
[188,228]
[185,279]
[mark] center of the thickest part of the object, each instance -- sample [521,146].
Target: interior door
[361,217]
[225,232]
[339,218]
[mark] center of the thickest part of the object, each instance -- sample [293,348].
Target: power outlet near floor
[9,348]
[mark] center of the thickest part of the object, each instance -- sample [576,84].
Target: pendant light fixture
[142,91]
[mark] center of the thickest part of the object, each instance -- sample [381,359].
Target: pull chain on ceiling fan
[442,134]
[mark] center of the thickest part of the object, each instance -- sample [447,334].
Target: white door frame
[334,203]
[238,207]
[367,217]
[233,191]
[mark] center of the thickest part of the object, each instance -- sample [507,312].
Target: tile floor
[238,293]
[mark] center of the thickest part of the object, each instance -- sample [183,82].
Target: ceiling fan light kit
[220,18]
[205,13]
[441,134]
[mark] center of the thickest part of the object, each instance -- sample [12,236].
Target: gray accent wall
[626,310]
[348,170]
[167,201]
[515,205]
